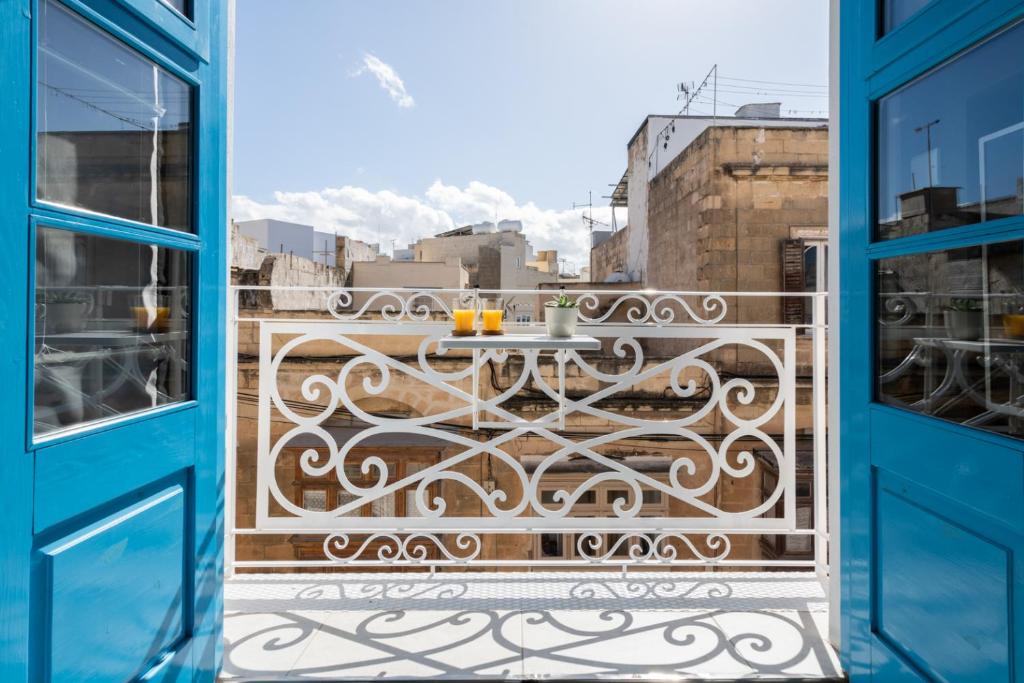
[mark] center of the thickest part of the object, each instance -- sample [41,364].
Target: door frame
[870,67]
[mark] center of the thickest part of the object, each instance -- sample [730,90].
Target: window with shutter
[793,281]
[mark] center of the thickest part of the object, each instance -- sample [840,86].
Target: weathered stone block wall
[609,256]
[348,251]
[718,214]
[637,247]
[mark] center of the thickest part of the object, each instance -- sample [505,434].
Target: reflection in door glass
[180,5]
[951,144]
[950,335]
[111,328]
[895,12]
[114,129]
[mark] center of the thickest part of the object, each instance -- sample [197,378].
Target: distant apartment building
[350,251]
[546,261]
[496,256]
[306,242]
[281,237]
[722,204]
[385,273]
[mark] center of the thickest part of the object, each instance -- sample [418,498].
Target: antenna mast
[588,215]
[325,252]
[688,93]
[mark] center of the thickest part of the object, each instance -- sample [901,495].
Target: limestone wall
[610,256]
[718,214]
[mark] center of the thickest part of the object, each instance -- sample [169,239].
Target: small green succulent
[961,304]
[64,296]
[561,301]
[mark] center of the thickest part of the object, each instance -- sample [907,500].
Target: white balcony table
[998,354]
[520,342]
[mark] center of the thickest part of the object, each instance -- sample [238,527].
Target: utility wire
[788,83]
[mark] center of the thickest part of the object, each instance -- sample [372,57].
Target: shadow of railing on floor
[479,627]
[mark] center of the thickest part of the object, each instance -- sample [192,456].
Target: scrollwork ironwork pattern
[517,505]
[595,306]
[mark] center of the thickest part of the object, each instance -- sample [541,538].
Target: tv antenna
[688,93]
[325,252]
[568,268]
[588,215]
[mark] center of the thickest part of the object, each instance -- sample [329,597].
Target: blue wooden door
[932,339]
[112,276]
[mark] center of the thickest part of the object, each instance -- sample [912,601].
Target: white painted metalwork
[625,323]
[523,343]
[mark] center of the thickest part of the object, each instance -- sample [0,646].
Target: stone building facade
[720,214]
[723,207]
[609,258]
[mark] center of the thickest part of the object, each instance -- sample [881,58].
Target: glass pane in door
[180,5]
[113,128]
[111,328]
[951,143]
[895,12]
[950,335]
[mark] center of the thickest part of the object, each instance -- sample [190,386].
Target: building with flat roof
[723,204]
[657,145]
[496,256]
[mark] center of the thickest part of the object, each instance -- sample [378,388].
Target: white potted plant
[964,319]
[63,311]
[560,316]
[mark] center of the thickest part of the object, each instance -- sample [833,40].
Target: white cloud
[388,79]
[360,213]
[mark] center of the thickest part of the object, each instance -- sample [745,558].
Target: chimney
[760,110]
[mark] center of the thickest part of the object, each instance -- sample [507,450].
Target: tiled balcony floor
[690,626]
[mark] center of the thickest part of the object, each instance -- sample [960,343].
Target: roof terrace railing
[694,437]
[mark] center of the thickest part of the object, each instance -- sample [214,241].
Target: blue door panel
[117,592]
[888,665]
[950,460]
[111,564]
[81,474]
[932,513]
[927,560]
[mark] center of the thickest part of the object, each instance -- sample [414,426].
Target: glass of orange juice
[492,313]
[464,315]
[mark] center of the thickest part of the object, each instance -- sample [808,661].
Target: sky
[396,119]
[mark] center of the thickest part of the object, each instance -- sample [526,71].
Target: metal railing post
[231,436]
[819,407]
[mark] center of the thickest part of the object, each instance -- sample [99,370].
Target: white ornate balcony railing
[324,368]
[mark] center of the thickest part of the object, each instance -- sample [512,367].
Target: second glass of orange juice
[492,314]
